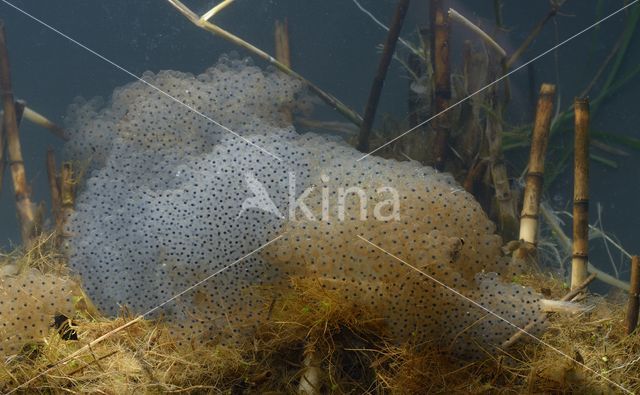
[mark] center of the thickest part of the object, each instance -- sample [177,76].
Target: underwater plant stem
[14,149]
[535,172]
[534,33]
[565,243]
[67,195]
[631,319]
[442,80]
[531,325]
[310,382]
[283,53]
[461,19]
[210,27]
[580,250]
[381,73]
[497,11]
[52,175]
[40,120]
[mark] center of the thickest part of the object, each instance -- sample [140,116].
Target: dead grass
[350,342]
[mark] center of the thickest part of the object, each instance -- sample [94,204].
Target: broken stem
[631,319]
[531,325]
[210,27]
[52,175]
[456,16]
[442,80]
[534,177]
[580,193]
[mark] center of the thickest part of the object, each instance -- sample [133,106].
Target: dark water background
[334,45]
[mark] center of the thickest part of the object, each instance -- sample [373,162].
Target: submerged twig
[56,201]
[311,379]
[40,120]
[283,53]
[531,325]
[381,73]
[442,80]
[631,319]
[580,194]
[203,23]
[456,16]
[10,121]
[534,33]
[402,41]
[67,195]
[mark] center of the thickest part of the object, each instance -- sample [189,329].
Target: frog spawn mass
[165,207]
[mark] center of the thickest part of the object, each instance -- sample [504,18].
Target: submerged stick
[41,120]
[533,187]
[52,175]
[67,195]
[461,19]
[203,23]
[283,53]
[631,320]
[381,73]
[534,33]
[24,206]
[311,380]
[531,325]
[442,80]
[580,249]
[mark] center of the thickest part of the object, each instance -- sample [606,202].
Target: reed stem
[218,31]
[67,195]
[631,320]
[442,77]
[311,380]
[580,193]
[24,206]
[534,178]
[283,53]
[52,175]
[381,73]
[531,325]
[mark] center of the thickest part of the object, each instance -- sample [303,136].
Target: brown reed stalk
[442,80]
[555,7]
[67,195]
[24,206]
[203,23]
[381,73]
[52,174]
[42,121]
[533,186]
[580,247]
[505,203]
[531,325]
[631,319]
[283,52]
